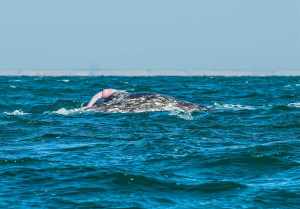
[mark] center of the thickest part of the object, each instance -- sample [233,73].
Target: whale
[123,102]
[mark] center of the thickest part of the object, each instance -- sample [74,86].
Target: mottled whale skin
[144,102]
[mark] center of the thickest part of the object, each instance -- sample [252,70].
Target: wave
[233,106]
[16,112]
[64,80]
[219,106]
[14,80]
[295,104]
[291,85]
[164,184]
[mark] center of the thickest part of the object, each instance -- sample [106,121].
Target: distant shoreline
[115,72]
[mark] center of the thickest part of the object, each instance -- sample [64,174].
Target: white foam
[64,80]
[13,87]
[64,111]
[16,112]
[295,104]
[233,106]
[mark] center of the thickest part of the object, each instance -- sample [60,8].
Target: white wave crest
[289,85]
[64,111]
[233,106]
[16,112]
[64,80]
[14,80]
[295,104]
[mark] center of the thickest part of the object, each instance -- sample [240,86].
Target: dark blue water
[245,153]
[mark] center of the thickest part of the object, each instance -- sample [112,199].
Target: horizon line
[145,72]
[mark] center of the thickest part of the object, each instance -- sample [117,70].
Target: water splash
[64,111]
[16,112]
[182,114]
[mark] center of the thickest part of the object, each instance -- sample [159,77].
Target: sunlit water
[245,153]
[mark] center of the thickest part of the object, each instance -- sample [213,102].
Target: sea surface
[244,153]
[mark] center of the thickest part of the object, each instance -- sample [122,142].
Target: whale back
[145,102]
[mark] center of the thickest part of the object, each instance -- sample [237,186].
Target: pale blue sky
[150,34]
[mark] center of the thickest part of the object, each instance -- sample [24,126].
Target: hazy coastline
[146,72]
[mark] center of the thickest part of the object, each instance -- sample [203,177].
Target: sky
[150,35]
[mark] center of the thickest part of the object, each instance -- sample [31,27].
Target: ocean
[243,153]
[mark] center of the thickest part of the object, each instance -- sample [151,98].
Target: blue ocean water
[244,153]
